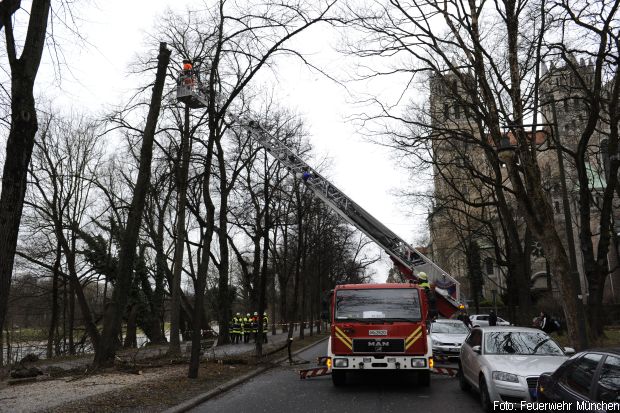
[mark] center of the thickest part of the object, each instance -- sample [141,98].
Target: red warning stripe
[317,371]
[446,371]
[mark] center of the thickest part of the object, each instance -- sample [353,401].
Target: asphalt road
[281,390]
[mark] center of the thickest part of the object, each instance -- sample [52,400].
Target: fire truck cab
[379,327]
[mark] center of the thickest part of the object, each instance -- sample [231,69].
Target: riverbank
[151,383]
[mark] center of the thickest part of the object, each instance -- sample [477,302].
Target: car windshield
[449,328]
[520,342]
[393,304]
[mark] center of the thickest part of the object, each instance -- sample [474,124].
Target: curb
[187,405]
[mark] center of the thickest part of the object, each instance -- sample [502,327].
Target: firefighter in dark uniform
[247,328]
[236,329]
[255,326]
[265,327]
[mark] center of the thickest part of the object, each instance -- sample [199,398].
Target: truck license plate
[377,332]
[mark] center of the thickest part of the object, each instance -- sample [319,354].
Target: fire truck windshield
[385,304]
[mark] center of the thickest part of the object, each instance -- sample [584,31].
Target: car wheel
[463,384]
[339,378]
[424,378]
[485,399]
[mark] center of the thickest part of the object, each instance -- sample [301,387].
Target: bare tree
[24,126]
[492,50]
[589,90]
[106,348]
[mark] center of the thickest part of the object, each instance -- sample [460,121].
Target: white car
[503,363]
[481,320]
[448,337]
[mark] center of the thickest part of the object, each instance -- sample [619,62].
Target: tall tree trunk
[131,340]
[182,173]
[24,126]
[106,350]
[293,315]
[273,298]
[199,294]
[51,335]
[262,291]
[71,326]
[64,315]
[223,296]
[75,289]
[1,347]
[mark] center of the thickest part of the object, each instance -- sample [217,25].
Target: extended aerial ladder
[407,259]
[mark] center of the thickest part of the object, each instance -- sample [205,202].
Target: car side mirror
[569,351]
[476,349]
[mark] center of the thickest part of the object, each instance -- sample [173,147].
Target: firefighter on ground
[236,329]
[255,326]
[265,326]
[247,328]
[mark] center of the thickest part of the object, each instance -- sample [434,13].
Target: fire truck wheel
[424,378]
[339,378]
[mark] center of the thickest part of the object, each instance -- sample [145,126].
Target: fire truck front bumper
[372,362]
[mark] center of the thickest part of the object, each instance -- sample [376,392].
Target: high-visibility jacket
[425,284]
[235,326]
[265,322]
[254,324]
[247,325]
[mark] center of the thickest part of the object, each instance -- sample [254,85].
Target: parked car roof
[509,328]
[610,350]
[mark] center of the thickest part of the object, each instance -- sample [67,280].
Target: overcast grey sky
[116,31]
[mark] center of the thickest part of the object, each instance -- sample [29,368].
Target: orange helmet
[187,64]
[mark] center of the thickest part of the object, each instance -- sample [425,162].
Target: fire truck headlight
[341,363]
[418,362]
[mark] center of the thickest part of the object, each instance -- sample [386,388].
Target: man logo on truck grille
[378,345]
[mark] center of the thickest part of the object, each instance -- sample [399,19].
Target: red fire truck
[379,327]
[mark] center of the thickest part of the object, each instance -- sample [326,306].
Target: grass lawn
[610,339]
